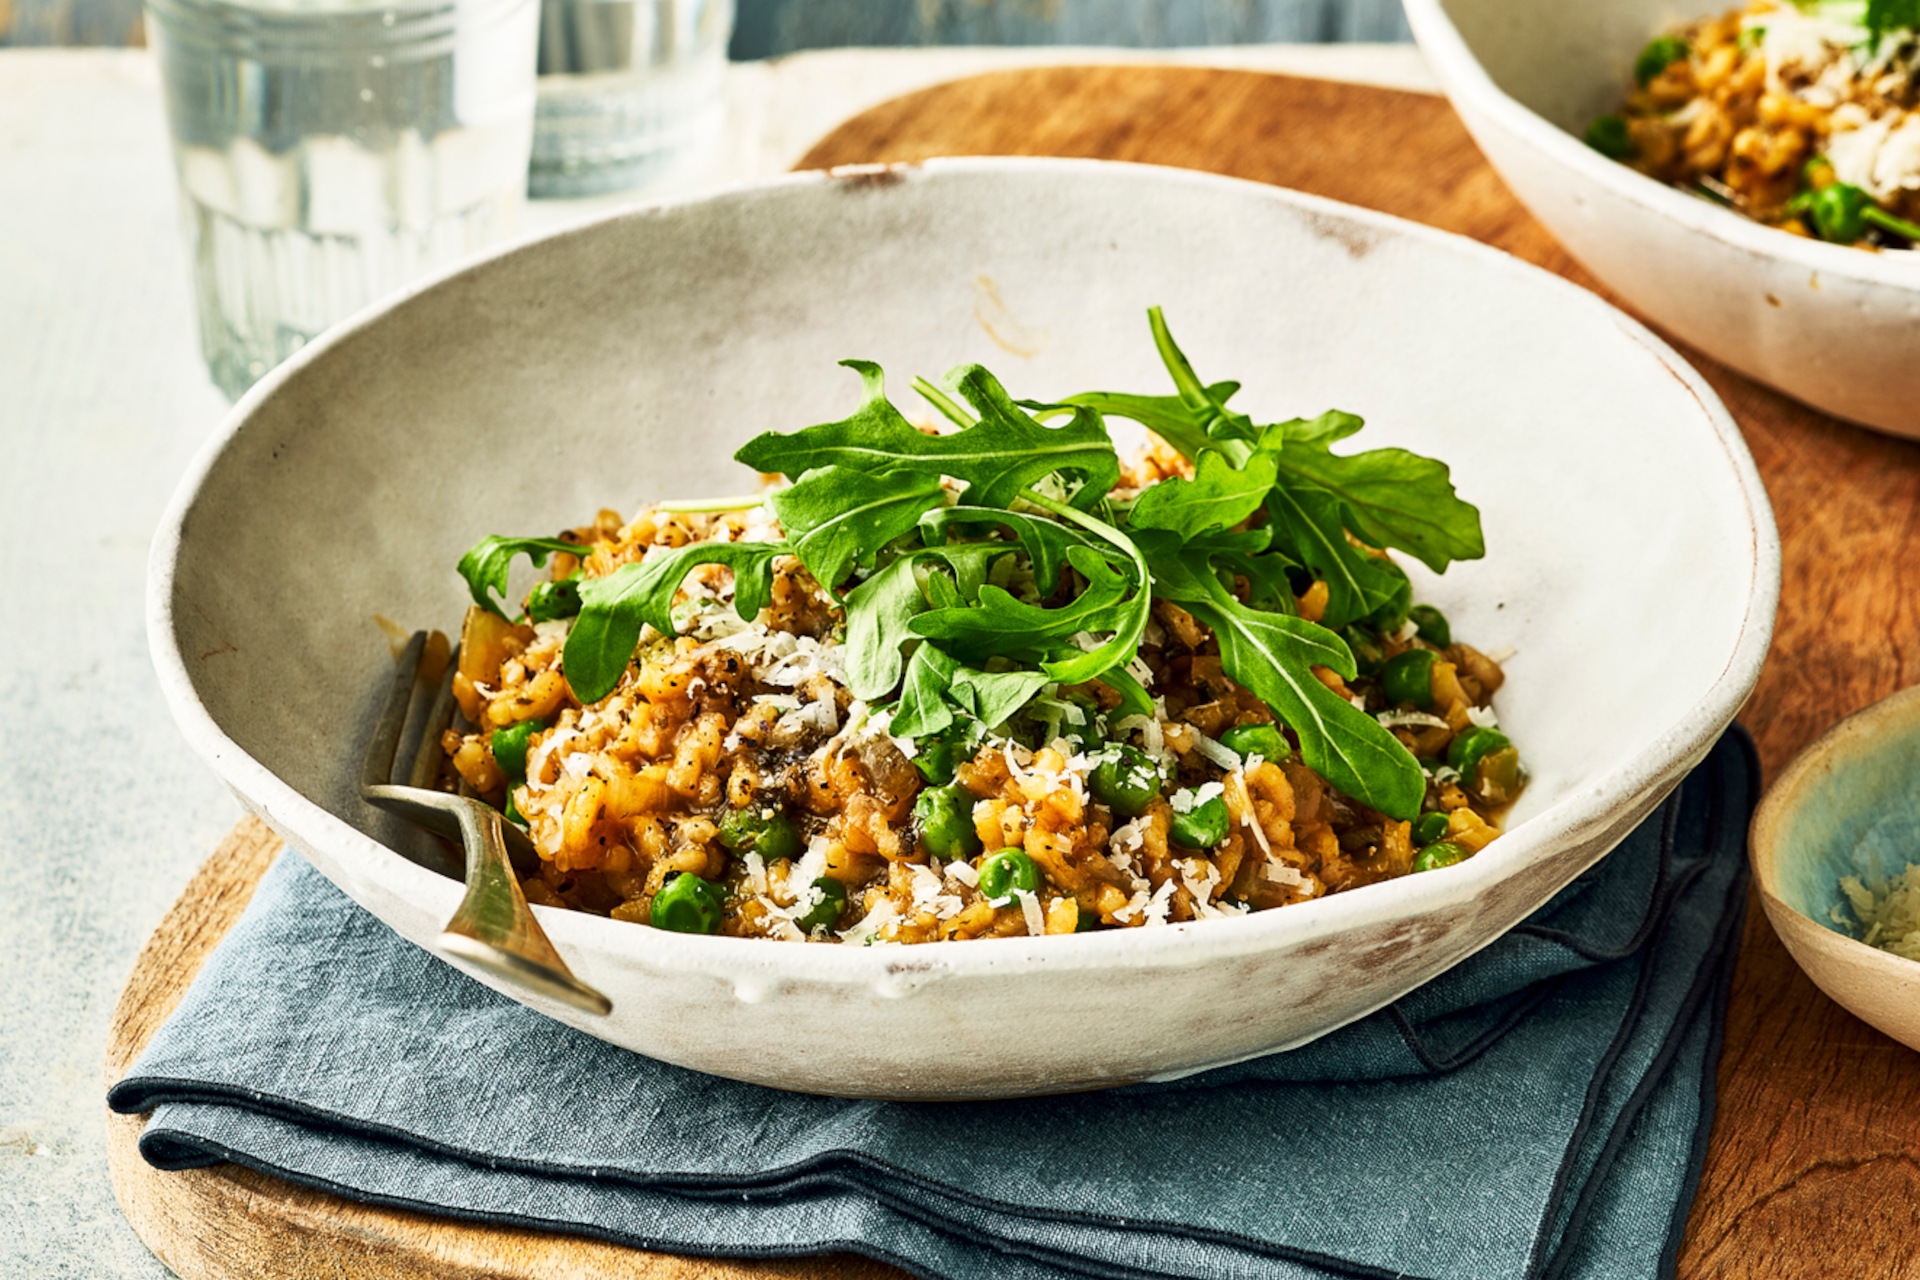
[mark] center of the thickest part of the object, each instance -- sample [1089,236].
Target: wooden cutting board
[1814,1166]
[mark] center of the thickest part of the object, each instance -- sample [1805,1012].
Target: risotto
[1800,116]
[989,682]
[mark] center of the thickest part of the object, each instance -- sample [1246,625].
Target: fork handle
[495,929]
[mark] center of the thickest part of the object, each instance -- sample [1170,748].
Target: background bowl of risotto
[1632,562]
[1827,324]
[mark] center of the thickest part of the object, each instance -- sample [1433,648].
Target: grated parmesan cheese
[1422,719]
[538,757]
[1157,906]
[1281,873]
[867,930]
[1133,907]
[1030,908]
[1889,913]
[1225,757]
[1188,801]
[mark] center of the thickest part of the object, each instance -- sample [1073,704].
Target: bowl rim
[1462,76]
[1764,845]
[1581,814]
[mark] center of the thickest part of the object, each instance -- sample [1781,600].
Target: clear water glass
[631,91]
[330,152]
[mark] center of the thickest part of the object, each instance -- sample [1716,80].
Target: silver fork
[494,928]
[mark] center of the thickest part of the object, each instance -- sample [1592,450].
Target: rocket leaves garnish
[486,565]
[613,609]
[999,455]
[835,515]
[1219,496]
[1891,15]
[1041,575]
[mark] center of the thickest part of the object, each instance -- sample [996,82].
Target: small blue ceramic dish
[1849,805]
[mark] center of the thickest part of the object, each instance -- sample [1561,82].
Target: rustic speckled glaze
[1849,805]
[1833,326]
[1633,561]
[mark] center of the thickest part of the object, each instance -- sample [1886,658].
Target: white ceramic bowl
[1633,561]
[1836,327]
[1846,806]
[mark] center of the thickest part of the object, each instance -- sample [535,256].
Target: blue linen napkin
[1541,1110]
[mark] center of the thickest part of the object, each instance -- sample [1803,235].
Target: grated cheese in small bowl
[1888,913]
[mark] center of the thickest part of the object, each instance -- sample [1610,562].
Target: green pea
[1496,779]
[512,812]
[1126,781]
[1443,854]
[937,760]
[1657,57]
[760,829]
[1429,827]
[552,600]
[1088,730]
[1608,135]
[1007,871]
[1249,740]
[1468,749]
[1087,921]
[1202,826]
[1368,656]
[1408,677]
[1839,212]
[825,912]
[945,815]
[510,749]
[688,904]
[1432,624]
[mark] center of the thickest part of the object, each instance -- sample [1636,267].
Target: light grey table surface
[103,401]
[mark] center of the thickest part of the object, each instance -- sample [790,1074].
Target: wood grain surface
[1814,1165]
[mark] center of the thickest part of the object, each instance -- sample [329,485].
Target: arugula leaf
[485,566]
[1392,498]
[880,609]
[1130,623]
[937,683]
[998,623]
[1219,496]
[1272,655]
[1890,15]
[993,696]
[1008,450]
[835,515]
[1169,417]
[1308,519]
[1046,542]
[995,458]
[923,707]
[1219,422]
[1334,424]
[614,609]
[1134,698]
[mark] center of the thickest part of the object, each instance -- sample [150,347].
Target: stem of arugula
[943,402]
[1124,643]
[697,506]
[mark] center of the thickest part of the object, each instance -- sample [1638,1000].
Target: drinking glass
[630,91]
[331,151]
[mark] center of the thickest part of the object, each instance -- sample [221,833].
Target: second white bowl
[1836,327]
